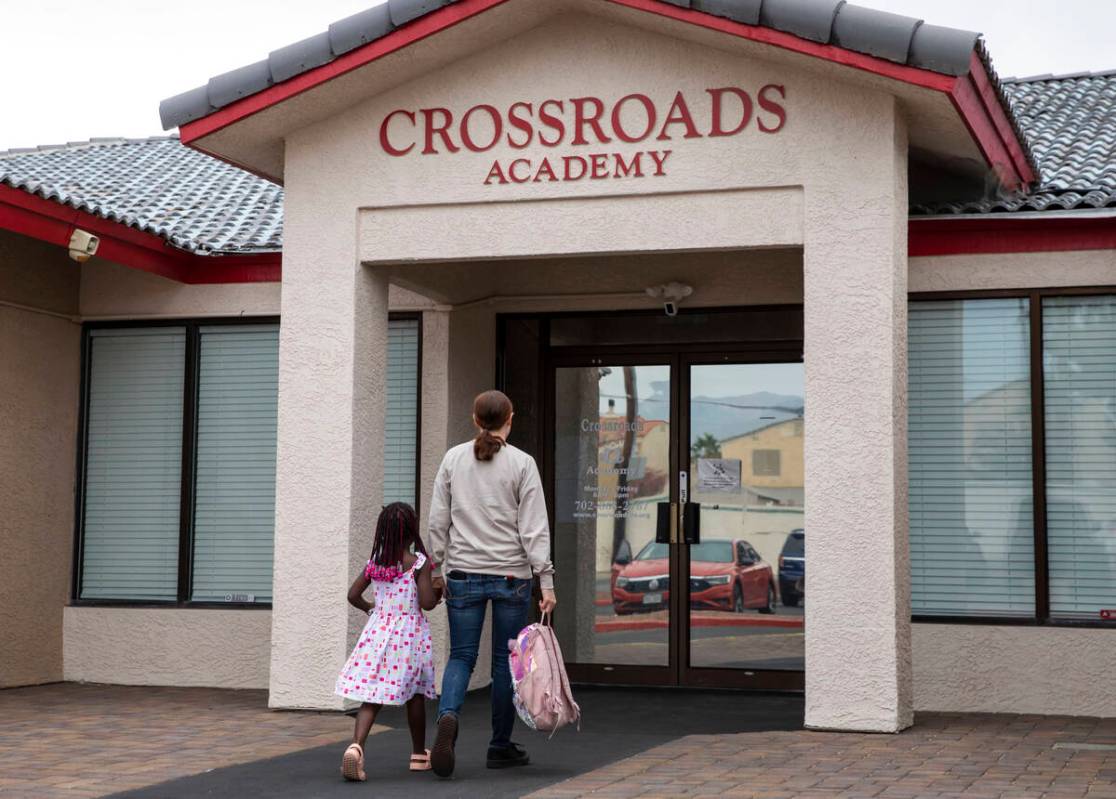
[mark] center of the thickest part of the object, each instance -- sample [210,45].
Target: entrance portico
[804,202]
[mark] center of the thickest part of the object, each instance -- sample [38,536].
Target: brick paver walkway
[78,741]
[942,757]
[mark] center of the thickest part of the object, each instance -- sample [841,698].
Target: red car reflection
[724,575]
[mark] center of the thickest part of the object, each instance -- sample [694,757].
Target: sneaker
[511,755]
[441,755]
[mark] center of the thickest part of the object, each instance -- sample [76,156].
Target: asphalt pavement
[617,723]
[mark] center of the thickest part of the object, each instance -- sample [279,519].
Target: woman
[489,534]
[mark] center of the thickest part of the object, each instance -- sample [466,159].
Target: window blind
[401,428]
[234,506]
[1079,340]
[133,467]
[971,513]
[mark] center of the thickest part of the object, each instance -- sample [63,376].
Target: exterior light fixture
[83,246]
[671,294]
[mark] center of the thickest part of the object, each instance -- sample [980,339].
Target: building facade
[752,273]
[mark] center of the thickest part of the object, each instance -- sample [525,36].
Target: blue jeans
[467,600]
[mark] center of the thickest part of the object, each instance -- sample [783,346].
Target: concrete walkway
[78,741]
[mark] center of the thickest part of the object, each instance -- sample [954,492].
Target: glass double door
[678,497]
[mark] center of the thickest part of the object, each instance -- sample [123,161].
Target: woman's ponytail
[491,411]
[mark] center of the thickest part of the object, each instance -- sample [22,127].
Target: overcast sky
[75,69]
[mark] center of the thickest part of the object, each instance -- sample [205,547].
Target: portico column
[332,401]
[858,651]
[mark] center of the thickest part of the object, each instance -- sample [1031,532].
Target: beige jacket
[489,517]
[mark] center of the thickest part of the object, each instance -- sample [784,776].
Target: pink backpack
[543,697]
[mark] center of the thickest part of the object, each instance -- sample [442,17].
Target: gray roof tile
[883,35]
[807,19]
[404,11]
[191,200]
[1069,122]
[746,11]
[865,30]
[294,59]
[945,50]
[360,29]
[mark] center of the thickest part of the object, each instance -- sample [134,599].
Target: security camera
[83,246]
[671,294]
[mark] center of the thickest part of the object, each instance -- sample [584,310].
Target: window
[133,464]
[765,462]
[163,522]
[969,438]
[234,486]
[401,432]
[1005,421]
[1079,365]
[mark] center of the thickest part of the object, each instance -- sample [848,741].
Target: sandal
[352,764]
[421,762]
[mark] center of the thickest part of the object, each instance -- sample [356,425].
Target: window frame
[1034,297]
[193,326]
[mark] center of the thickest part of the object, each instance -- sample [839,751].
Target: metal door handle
[691,522]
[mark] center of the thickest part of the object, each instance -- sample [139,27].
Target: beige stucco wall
[1013,669]
[833,181]
[39,365]
[1013,270]
[988,669]
[168,646]
[112,291]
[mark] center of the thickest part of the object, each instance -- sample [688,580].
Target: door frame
[704,676]
[679,358]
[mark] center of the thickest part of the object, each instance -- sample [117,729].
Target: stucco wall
[109,290]
[1013,270]
[171,646]
[834,180]
[39,356]
[987,669]
[1013,669]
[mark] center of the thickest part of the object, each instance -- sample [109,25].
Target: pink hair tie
[382,574]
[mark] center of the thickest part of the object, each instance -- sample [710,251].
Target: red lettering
[440,129]
[679,114]
[496,173]
[520,123]
[553,122]
[633,168]
[547,169]
[617,124]
[571,159]
[659,157]
[599,163]
[512,173]
[593,120]
[716,127]
[497,125]
[386,143]
[772,107]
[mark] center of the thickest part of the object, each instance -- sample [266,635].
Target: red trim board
[989,235]
[50,221]
[973,95]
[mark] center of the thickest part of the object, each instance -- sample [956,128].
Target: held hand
[548,601]
[439,584]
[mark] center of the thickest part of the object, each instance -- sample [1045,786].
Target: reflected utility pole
[620,517]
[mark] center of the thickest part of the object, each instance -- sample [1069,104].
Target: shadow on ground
[617,723]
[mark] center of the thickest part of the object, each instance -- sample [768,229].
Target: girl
[393,662]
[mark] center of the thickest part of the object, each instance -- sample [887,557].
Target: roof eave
[47,220]
[974,94]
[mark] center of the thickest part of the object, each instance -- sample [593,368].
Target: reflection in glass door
[612,467]
[745,472]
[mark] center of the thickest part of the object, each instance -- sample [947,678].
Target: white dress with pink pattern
[394,658]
